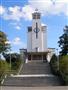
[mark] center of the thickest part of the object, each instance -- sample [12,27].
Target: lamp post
[57,57]
[10,59]
[7,42]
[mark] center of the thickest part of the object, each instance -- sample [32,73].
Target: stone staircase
[33,74]
[36,67]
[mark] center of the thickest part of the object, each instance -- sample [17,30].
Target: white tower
[37,40]
[37,35]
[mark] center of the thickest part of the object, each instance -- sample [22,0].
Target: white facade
[37,35]
[29,41]
[50,54]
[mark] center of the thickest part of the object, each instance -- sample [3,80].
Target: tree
[63,63]
[3,45]
[63,42]
[15,60]
[54,64]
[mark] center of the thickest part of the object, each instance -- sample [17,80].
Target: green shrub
[64,68]
[54,64]
[15,60]
[16,64]
[4,68]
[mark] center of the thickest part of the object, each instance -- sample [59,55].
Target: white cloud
[2,10]
[17,13]
[15,41]
[43,24]
[50,6]
[27,12]
[13,13]
[18,42]
[46,7]
[18,27]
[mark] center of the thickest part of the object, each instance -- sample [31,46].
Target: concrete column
[26,60]
[48,57]
[31,57]
[26,57]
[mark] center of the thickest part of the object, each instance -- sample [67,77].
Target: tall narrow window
[36,30]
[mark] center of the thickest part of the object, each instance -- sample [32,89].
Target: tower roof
[36,14]
[36,10]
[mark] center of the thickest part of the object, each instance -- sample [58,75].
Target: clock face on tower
[36,30]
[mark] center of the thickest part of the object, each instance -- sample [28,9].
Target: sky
[16,16]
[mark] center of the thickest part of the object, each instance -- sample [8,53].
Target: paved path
[35,88]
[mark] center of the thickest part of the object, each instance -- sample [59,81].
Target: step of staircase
[36,68]
[32,81]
